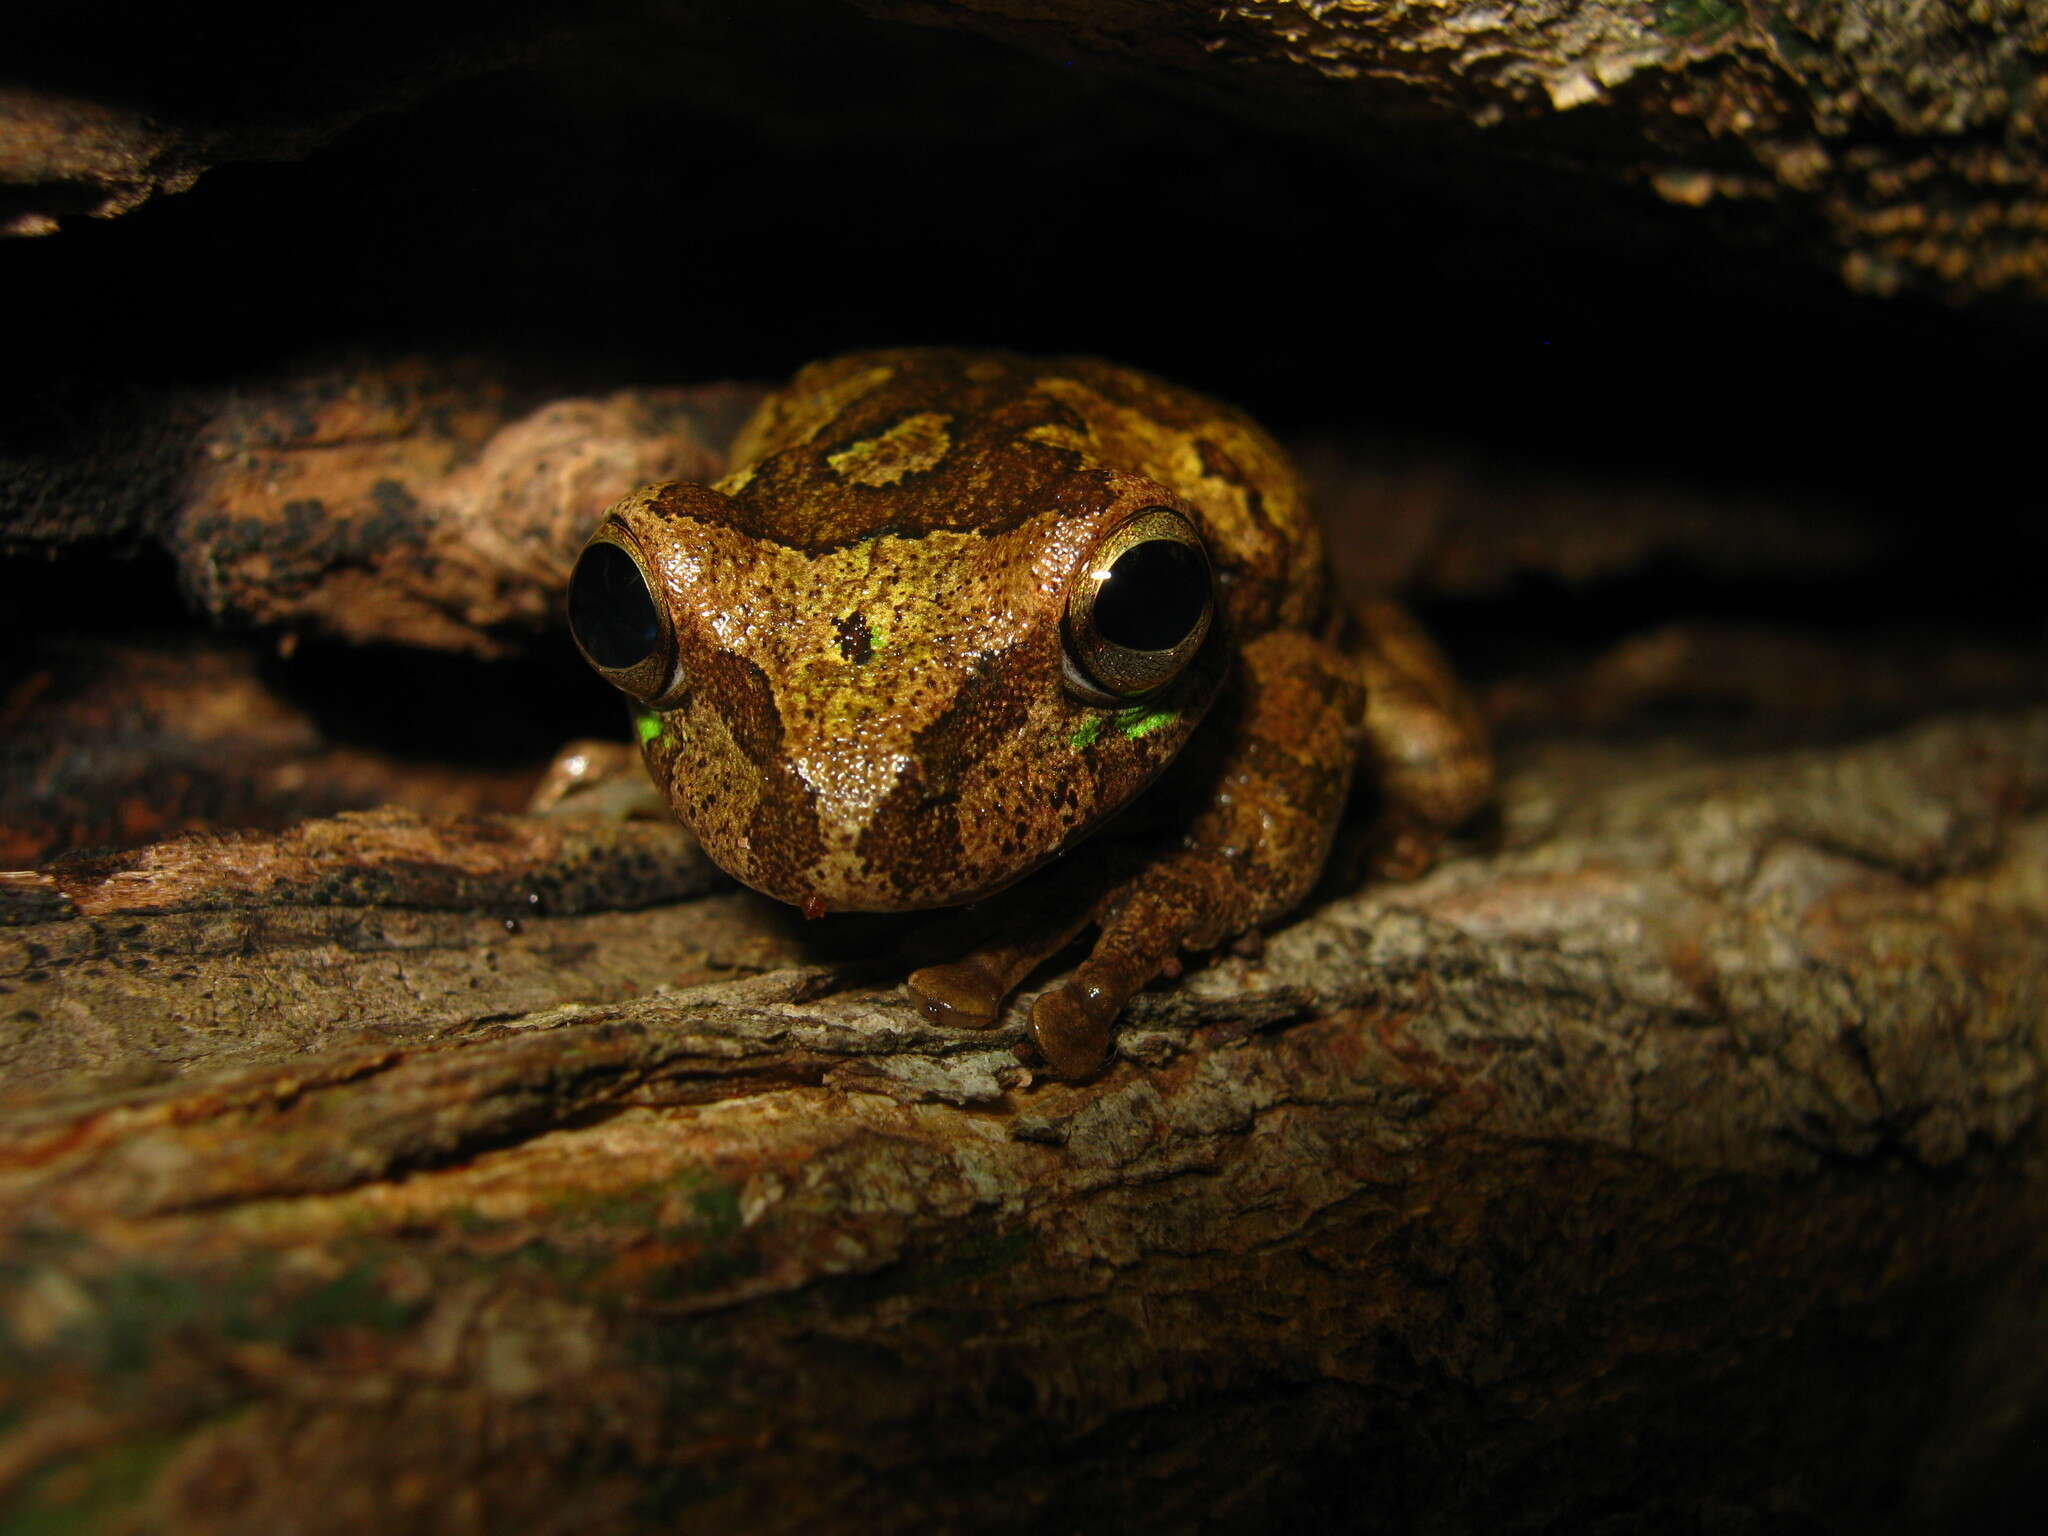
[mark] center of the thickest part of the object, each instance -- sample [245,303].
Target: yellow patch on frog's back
[797,414]
[915,443]
[1257,517]
[1216,463]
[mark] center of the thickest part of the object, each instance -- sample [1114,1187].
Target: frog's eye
[1138,609]
[616,622]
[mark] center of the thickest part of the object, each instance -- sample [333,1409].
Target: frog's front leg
[1035,921]
[1275,790]
[1272,787]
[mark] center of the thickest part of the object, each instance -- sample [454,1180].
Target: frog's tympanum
[952,612]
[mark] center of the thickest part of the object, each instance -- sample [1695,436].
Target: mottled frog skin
[952,611]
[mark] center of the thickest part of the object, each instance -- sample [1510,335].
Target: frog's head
[859,704]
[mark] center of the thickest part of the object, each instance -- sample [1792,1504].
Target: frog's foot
[596,778]
[1188,902]
[1404,849]
[1071,1026]
[1008,937]
[968,993]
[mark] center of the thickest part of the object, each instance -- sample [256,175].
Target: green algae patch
[717,1206]
[1692,19]
[690,1204]
[97,1493]
[352,1299]
[977,1255]
[1084,738]
[132,1309]
[129,1312]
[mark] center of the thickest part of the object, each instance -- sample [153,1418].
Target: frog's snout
[877,842]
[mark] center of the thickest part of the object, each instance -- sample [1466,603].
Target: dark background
[679,194]
[753,186]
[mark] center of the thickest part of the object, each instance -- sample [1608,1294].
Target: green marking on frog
[648,725]
[1144,720]
[1139,720]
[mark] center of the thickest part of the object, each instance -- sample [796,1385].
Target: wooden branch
[414,503]
[1680,1152]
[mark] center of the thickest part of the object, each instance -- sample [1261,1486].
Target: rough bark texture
[412,502]
[113,745]
[1677,1160]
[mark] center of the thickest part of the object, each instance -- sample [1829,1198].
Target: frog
[1045,638]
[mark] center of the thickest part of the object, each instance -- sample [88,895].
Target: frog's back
[913,440]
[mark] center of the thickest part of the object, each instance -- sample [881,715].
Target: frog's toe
[1405,851]
[968,993]
[597,778]
[965,994]
[1070,1025]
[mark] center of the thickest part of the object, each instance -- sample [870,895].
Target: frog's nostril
[610,610]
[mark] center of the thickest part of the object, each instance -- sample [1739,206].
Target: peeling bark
[1679,1153]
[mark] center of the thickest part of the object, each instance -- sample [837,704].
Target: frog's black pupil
[610,610]
[1153,596]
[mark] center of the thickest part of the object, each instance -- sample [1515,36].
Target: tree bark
[1901,142]
[1673,1155]
[1898,144]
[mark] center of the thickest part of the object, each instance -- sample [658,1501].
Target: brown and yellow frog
[951,612]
